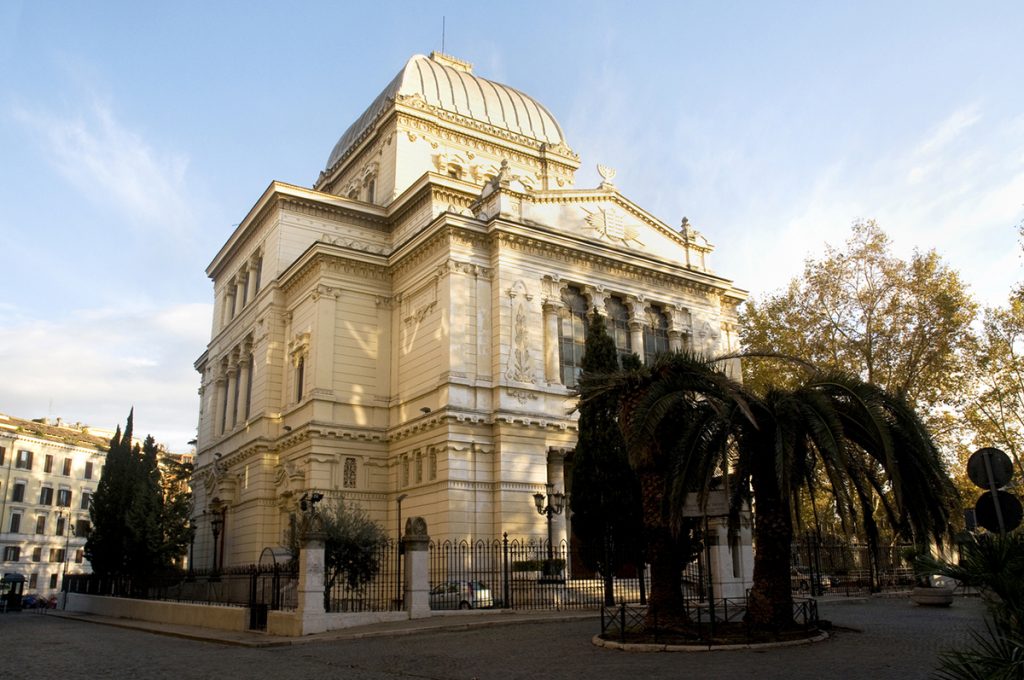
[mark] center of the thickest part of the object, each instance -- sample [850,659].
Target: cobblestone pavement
[875,639]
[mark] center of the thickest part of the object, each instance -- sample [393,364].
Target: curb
[649,647]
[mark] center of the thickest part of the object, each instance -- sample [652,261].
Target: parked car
[461,595]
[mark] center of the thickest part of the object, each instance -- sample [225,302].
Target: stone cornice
[323,257]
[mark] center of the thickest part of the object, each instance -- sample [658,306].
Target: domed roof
[449,84]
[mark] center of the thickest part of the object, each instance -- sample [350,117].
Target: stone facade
[410,326]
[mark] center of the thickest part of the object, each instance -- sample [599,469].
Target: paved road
[877,639]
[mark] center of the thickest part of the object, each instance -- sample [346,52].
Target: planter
[932,597]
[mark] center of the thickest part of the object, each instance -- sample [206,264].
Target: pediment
[612,219]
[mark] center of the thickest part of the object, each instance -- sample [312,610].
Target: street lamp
[216,524]
[69,530]
[555,504]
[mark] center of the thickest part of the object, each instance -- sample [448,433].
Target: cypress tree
[605,495]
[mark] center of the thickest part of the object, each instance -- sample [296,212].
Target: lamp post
[69,530]
[216,524]
[554,505]
[401,550]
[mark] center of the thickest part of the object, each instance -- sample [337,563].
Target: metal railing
[381,593]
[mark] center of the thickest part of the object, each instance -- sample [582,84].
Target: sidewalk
[255,639]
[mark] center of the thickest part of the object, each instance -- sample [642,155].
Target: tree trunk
[770,603]
[666,607]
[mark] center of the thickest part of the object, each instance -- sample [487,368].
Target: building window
[572,334]
[46,495]
[300,376]
[64,498]
[53,580]
[12,553]
[618,327]
[86,500]
[60,526]
[88,470]
[48,463]
[33,581]
[67,467]
[405,470]
[82,528]
[433,463]
[79,556]
[3,455]
[349,476]
[56,554]
[418,469]
[16,523]
[18,494]
[24,460]
[41,524]
[37,554]
[655,334]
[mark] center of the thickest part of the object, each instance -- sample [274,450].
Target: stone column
[417,568]
[551,373]
[311,581]
[220,404]
[243,386]
[239,293]
[232,387]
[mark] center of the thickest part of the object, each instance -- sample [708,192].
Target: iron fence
[822,565]
[384,591]
[264,587]
[517,574]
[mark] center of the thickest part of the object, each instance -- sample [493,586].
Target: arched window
[618,326]
[572,335]
[371,189]
[655,334]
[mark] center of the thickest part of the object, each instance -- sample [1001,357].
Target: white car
[461,595]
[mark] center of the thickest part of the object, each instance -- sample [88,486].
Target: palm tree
[685,422]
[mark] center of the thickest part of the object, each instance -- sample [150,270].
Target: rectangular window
[79,556]
[33,581]
[82,528]
[46,495]
[18,494]
[67,467]
[60,526]
[16,523]
[41,524]
[3,455]
[300,375]
[64,498]
[53,580]
[24,460]
[12,553]
[86,500]
[349,481]
[37,554]
[405,470]
[48,463]
[418,468]
[88,470]
[433,463]
[56,554]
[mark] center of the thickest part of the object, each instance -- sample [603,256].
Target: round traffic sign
[989,459]
[1009,506]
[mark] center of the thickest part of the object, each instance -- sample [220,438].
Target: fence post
[417,570]
[506,572]
[311,582]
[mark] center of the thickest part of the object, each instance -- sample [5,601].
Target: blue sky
[133,136]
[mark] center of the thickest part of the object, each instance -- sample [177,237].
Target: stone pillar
[417,569]
[551,373]
[320,375]
[232,387]
[239,293]
[220,404]
[243,386]
[311,581]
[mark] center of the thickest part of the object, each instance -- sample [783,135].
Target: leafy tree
[996,413]
[351,545]
[177,510]
[605,495]
[901,324]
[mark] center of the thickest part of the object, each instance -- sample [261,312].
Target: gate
[266,586]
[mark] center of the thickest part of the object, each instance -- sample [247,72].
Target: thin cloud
[96,364]
[113,165]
